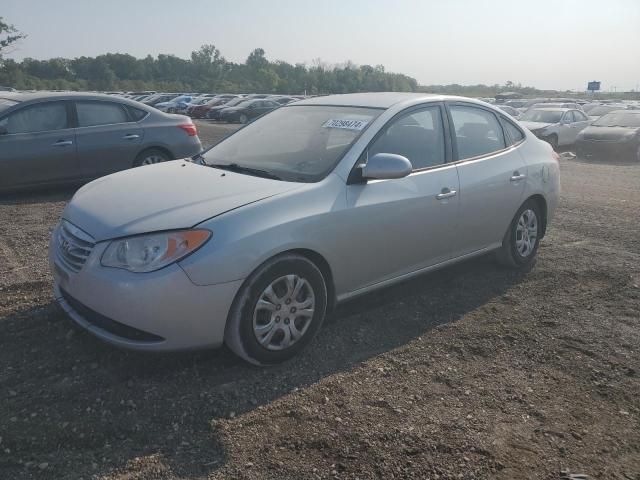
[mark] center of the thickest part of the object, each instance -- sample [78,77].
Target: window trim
[458,161]
[355,173]
[24,106]
[123,106]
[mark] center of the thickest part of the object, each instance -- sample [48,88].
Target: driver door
[403,225]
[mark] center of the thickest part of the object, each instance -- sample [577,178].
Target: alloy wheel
[526,233]
[283,312]
[151,159]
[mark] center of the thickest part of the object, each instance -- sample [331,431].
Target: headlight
[146,253]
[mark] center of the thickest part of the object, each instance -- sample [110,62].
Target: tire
[150,156]
[248,333]
[552,140]
[243,118]
[517,250]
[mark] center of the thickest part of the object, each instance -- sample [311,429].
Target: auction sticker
[346,124]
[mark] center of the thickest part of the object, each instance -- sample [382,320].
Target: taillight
[190,128]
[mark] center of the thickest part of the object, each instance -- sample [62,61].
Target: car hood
[170,195]
[535,125]
[608,134]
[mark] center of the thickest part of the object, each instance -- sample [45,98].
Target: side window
[579,116]
[42,117]
[418,136]
[136,114]
[477,131]
[567,117]
[100,113]
[513,132]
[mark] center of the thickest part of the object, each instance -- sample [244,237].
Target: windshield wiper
[199,158]
[234,167]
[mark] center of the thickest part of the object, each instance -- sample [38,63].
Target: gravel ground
[471,372]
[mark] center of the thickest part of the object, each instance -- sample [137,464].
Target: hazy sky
[559,44]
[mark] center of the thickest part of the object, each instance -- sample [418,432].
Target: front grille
[108,325]
[74,246]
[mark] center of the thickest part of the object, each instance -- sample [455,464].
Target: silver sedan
[310,205]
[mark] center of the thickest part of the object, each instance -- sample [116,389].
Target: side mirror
[384,166]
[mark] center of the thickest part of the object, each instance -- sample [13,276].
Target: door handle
[131,136]
[446,193]
[517,176]
[62,143]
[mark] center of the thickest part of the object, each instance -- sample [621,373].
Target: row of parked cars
[605,130]
[232,108]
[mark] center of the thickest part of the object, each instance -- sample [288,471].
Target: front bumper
[156,311]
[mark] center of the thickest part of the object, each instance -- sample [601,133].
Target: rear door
[38,145]
[108,137]
[492,177]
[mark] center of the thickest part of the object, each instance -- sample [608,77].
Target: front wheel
[520,243]
[277,311]
[244,119]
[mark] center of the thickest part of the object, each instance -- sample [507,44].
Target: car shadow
[105,408]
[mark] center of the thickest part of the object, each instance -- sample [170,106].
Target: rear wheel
[520,243]
[278,310]
[243,118]
[150,157]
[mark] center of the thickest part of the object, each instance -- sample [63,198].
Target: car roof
[31,96]
[371,100]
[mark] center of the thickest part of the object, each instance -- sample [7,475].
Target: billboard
[593,86]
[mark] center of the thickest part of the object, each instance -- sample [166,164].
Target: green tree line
[206,71]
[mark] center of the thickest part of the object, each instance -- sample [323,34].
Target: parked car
[50,138]
[310,205]
[281,99]
[174,105]
[200,111]
[510,110]
[160,98]
[612,136]
[248,110]
[213,112]
[558,126]
[572,105]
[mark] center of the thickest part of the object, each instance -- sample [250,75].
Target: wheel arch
[542,204]
[319,261]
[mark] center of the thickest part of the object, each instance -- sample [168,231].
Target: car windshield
[295,143]
[598,111]
[5,103]
[543,116]
[619,119]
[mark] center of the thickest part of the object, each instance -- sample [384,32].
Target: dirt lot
[468,373]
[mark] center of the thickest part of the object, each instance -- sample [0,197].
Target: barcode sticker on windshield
[346,124]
